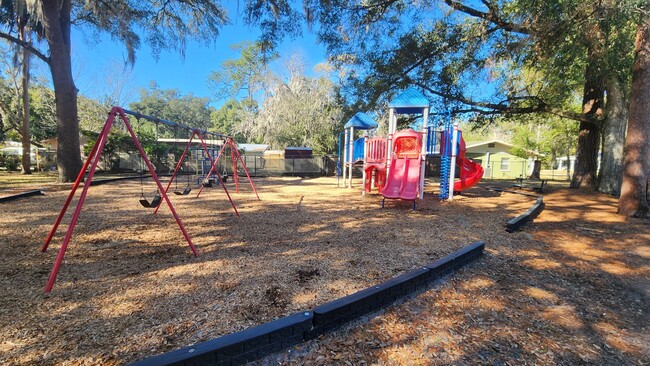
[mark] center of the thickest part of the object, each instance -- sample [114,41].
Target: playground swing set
[235,159]
[179,168]
[199,135]
[90,167]
[157,197]
[395,165]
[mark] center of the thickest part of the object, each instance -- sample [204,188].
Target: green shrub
[9,162]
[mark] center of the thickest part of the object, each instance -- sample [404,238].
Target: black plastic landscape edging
[497,189]
[117,179]
[519,221]
[254,343]
[34,192]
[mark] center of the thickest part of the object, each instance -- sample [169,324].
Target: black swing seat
[185,192]
[155,202]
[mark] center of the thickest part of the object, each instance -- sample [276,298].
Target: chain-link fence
[262,166]
[325,165]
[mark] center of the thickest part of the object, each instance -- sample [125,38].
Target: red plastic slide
[403,180]
[470,174]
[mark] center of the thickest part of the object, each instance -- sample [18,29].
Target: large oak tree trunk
[56,18]
[586,165]
[611,165]
[634,199]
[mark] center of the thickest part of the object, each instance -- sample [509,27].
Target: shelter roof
[410,101]
[361,121]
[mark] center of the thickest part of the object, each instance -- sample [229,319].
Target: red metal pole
[212,168]
[248,175]
[178,165]
[233,161]
[155,178]
[212,162]
[82,172]
[75,216]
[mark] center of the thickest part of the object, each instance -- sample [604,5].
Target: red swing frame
[92,161]
[235,158]
[197,133]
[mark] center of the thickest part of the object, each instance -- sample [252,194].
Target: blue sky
[94,61]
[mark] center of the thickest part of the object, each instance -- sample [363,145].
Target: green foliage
[92,114]
[41,106]
[157,152]
[246,75]
[225,119]
[526,140]
[293,111]
[170,105]
[117,142]
[547,135]
[301,111]
[164,25]
[42,113]
[9,162]
[533,54]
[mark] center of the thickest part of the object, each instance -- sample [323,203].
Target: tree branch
[505,107]
[434,52]
[25,45]
[490,16]
[383,4]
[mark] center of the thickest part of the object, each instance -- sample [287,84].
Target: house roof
[361,121]
[484,145]
[410,101]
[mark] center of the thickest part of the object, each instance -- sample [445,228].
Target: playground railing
[376,150]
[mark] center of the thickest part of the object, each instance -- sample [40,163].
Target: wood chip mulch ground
[571,288]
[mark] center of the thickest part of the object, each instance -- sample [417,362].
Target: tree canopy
[163,25]
[169,104]
[298,111]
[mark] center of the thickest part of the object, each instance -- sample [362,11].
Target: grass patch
[15,180]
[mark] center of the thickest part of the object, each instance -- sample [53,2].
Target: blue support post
[445,157]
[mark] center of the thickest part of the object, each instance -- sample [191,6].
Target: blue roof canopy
[361,121]
[410,101]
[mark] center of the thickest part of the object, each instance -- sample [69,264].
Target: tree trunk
[586,165]
[27,148]
[634,201]
[56,19]
[611,164]
[537,168]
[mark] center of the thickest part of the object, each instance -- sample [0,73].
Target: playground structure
[395,165]
[90,166]
[354,149]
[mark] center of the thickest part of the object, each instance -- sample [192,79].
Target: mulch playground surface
[571,288]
